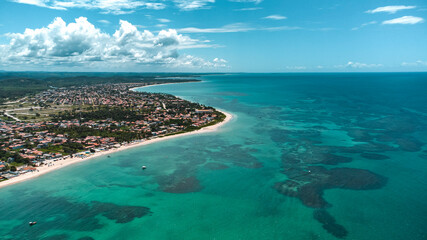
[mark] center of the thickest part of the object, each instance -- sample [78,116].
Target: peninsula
[61,126]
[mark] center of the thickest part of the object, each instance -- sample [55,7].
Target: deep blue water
[307,156]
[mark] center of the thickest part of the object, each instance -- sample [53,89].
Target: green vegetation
[219,118]
[78,132]
[66,148]
[12,157]
[15,88]
[114,113]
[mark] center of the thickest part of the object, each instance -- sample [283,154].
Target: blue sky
[213,35]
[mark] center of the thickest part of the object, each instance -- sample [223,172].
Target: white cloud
[254,1]
[296,68]
[80,43]
[390,9]
[163,20]
[364,25]
[154,6]
[106,6]
[275,17]
[103,21]
[189,5]
[358,65]
[281,28]
[248,9]
[196,62]
[126,6]
[219,60]
[404,20]
[40,3]
[235,27]
[414,64]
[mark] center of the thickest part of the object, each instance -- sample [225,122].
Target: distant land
[49,117]
[14,85]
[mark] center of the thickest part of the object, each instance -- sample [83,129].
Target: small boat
[144,167]
[32,223]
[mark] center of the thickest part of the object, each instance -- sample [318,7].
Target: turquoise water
[307,156]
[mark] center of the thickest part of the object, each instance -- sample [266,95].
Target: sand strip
[69,161]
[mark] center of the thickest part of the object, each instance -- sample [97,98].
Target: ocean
[306,156]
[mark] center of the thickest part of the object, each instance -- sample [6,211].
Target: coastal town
[79,121]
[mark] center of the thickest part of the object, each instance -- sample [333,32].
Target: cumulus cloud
[189,61]
[80,43]
[390,9]
[404,20]
[275,17]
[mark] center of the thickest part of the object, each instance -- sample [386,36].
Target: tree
[13,169]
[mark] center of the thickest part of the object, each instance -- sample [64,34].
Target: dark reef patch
[309,185]
[306,153]
[280,135]
[367,147]
[356,179]
[237,155]
[332,159]
[86,238]
[215,166]
[396,124]
[247,163]
[374,156]
[406,143]
[117,185]
[57,237]
[409,144]
[122,214]
[329,224]
[60,213]
[359,135]
[183,185]
[182,180]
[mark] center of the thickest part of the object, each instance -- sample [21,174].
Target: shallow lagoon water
[295,137]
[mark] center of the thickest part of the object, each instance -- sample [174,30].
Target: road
[14,118]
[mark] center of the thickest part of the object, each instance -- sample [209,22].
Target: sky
[213,35]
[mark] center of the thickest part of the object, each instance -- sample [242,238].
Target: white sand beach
[69,161]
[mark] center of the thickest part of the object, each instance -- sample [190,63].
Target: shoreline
[70,161]
[133,89]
